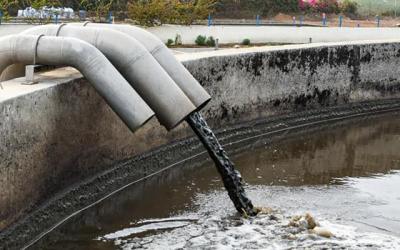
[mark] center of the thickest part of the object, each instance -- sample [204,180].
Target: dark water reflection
[353,165]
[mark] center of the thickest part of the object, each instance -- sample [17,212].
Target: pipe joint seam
[133,61]
[59,28]
[157,48]
[36,47]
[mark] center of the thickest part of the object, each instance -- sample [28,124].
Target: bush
[201,40]
[211,41]
[246,42]
[324,6]
[349,7]
[157,12]
[328,6]
[170,42]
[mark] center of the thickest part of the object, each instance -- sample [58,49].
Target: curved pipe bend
[137,65]
[108,82]
[165,58]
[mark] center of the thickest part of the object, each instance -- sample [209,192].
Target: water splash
[231,178]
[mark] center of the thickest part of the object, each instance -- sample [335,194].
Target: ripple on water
[347,177]
[216,225]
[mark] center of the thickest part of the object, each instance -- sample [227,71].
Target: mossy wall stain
[301,78]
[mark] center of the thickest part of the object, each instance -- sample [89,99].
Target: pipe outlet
[165,58]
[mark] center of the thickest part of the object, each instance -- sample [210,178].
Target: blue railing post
[258,20]
[340,21]
[110,17]
[82,15]
[209,20]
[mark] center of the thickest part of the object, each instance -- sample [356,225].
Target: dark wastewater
[347,176]
[231,178]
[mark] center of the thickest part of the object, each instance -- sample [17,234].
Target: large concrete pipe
[137,65]
[122,98]
[165,58]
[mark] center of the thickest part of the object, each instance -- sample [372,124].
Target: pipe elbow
[80,54]
[107,80]
[181,76]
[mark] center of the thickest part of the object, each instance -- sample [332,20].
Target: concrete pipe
[165,58]
[137,65]
[30,49]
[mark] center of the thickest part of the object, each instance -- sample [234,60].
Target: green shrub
[211,41]
[246,42]
[157,12]
[349,7]
[201,40]
[170,42]
[328,6]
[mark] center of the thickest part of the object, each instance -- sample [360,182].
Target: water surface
[347,176]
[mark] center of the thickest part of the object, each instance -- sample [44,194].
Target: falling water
[231,178]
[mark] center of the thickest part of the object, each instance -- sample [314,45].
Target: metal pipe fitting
[27,49]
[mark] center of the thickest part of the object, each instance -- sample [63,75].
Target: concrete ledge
[273,34]
[56,134]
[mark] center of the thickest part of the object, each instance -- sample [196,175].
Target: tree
[5,6]
[100,8]
[157,12]
[149,13]
[349,7]
[251,8]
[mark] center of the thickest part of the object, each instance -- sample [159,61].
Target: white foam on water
[141,229]
[178,218]
[344,210]
[261,232]
[218,227]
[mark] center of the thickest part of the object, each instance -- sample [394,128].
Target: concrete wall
[9,29]
[59,132]
[273,34]
[257,34]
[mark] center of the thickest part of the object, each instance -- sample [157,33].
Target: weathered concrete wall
[257,34]
[56,133]
[9,29]
[273,34]
[266,81]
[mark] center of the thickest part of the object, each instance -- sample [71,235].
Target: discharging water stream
[347,176]
[230,176]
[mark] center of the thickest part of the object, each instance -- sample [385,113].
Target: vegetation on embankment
[153,12]
[156,12]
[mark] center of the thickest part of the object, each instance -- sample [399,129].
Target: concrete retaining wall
[9,29]
[257,34]
[59,132]
[273,34]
